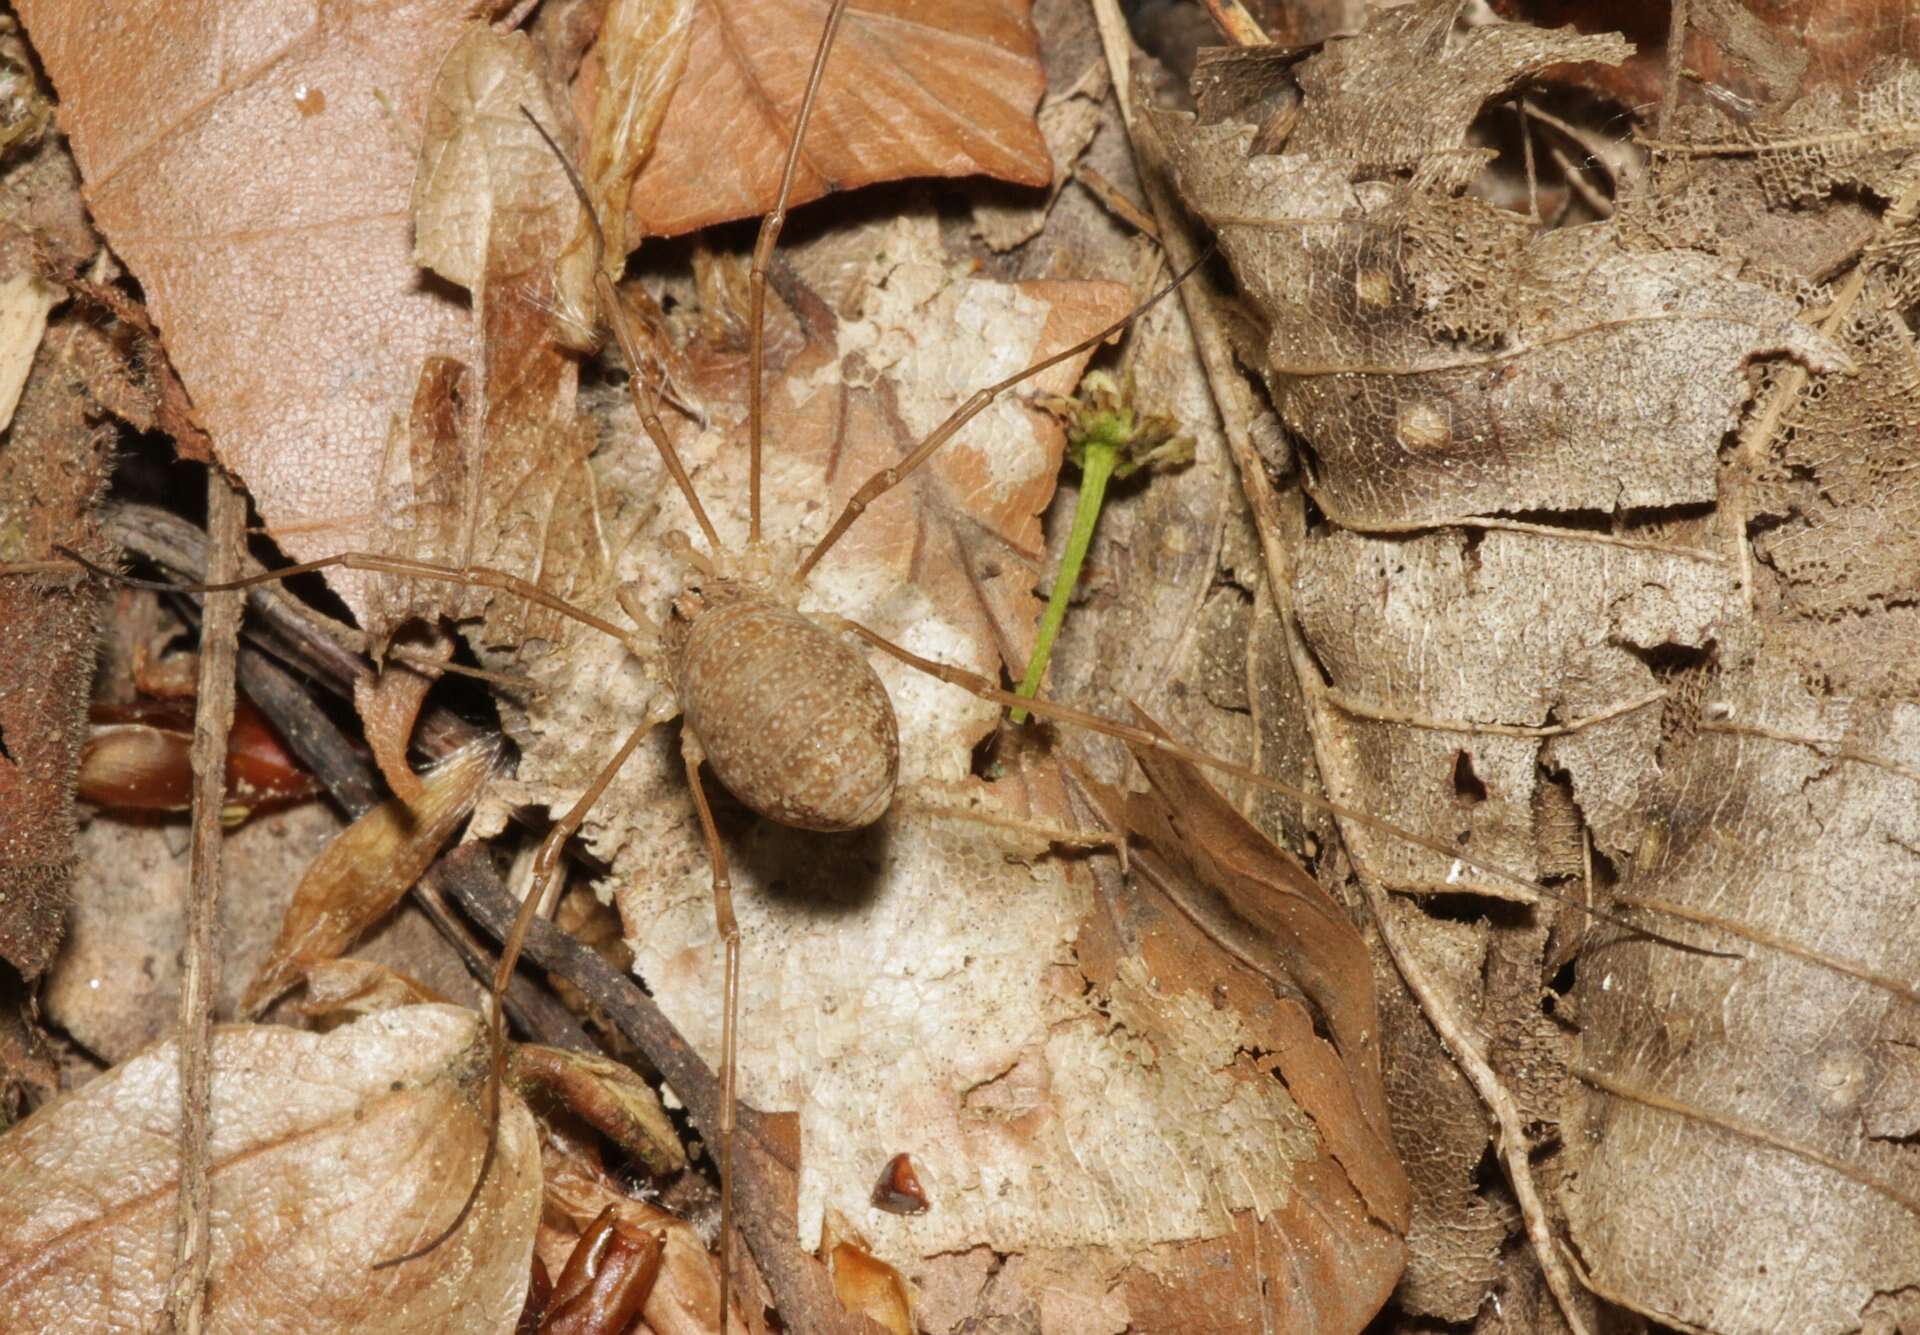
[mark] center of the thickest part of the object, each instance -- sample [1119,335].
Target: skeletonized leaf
[1442,356]
[328,1153]
[641,54]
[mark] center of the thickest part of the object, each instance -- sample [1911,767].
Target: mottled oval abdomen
[792,718]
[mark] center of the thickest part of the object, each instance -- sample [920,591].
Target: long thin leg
[729,927]
[978,685]
[485,576]
[763,254]
[888,478]
[644,401]
[546,878]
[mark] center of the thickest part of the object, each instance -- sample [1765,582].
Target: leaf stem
[1096,466]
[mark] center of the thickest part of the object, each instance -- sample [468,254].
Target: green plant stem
[1096,466]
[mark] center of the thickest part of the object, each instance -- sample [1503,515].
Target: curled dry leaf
[912,90]
[609,1097]
[390,703]
[329,1153]
[1235,935]
[364,871]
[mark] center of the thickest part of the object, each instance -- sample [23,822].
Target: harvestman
[790,715]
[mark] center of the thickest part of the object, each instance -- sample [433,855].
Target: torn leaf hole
[1468,788]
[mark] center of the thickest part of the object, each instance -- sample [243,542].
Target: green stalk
[1097,458]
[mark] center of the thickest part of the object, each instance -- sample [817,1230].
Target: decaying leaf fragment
[364,871]
[1237,925]
[608,1096]
[329,1153]
[1785,811]
[1457,661]
[489,467]
[1686,1051]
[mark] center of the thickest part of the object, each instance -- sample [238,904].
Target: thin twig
[1359,708]
[1676,63]
[1235,23]
[1116,201]
[213,715]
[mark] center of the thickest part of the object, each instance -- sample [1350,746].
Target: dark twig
[766,1183]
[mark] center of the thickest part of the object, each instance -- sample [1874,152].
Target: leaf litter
[1457,360]
[1571,479]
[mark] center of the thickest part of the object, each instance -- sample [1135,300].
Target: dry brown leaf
[1245,939]
[1465,361]
[1514,631]
[491,466]
[366,869]
[260,198]
[912,90]
[1735,52]
[328,1153]
[1456,1236]
[638,60]
[53,470]
[352,988]
[865,1284]
[609,1097]
[1780,838]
